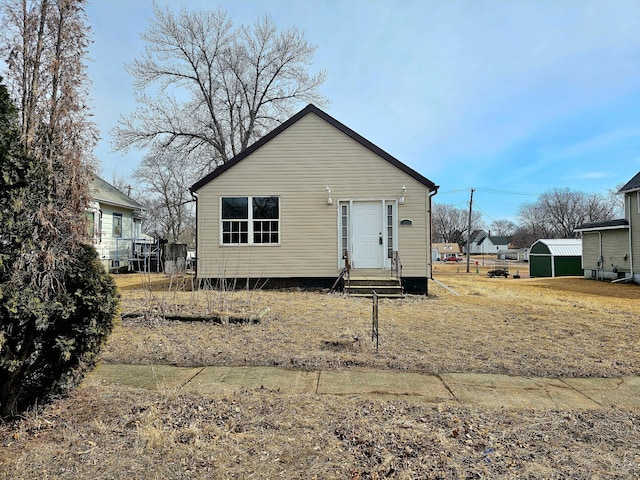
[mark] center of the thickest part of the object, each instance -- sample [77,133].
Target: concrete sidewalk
[486,390]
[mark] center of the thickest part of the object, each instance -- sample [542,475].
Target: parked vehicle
[453,259]
[499,269]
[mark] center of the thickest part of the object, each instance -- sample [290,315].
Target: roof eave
[594,229]
[117,204]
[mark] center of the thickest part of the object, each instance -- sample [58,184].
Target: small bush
[47,343]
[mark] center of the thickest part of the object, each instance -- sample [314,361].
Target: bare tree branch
[558,212]
[205,92]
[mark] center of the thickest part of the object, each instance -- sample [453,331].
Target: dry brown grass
[527,326]
[536,327]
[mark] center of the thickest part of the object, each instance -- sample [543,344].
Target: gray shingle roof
[106,193]
[607,224]
[631,185]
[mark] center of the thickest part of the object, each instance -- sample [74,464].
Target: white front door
[367,235]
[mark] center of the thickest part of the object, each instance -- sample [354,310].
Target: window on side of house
[91,227]
[117,225]
[250,220]
[137,228]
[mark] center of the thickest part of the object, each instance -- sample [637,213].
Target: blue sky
[512,98]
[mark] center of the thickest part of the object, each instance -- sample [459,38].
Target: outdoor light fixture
[404,190]
[328,192]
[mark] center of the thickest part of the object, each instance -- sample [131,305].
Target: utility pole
[469,229]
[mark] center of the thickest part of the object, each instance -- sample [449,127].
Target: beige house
[611,249]
[441,251]
[306,200]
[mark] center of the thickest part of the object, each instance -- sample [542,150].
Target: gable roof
[106,193]
[330,120]
[499,240]
[631,185]
[479,236]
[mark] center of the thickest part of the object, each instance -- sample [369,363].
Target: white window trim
[250,220]
[115,215]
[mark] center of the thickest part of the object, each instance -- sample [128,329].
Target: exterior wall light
[404,190]
[328,192]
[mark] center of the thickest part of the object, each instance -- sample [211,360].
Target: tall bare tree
[616,200]
[450,224]
[165,182]
[44,44]
[557,212]
[503,228]
[208,90]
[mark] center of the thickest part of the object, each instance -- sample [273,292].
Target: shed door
[368,241]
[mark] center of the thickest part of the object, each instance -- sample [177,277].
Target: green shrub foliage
[47,343]
[48,336]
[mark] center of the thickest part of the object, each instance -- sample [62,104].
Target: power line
[485,213]
[491,190]
[506,192]
[454,191]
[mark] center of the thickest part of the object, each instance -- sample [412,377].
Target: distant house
[308,199]
[555,257]
[443,250]
[517,254]
[611,249]
[115,225]
[484,243]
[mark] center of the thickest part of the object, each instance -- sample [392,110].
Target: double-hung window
[250,220]
[117,225]
[91,227]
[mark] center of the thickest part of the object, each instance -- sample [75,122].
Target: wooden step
[364,286]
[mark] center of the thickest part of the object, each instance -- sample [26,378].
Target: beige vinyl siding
[615,244]
[297,166]
[590,250]
[634,221]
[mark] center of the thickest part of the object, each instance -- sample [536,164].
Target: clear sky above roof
[510,98]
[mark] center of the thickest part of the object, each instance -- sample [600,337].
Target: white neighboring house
[483,243]
[115,224]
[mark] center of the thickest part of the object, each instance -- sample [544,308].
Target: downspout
[631,230]
[429,275]
[600,257]
[194,195]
